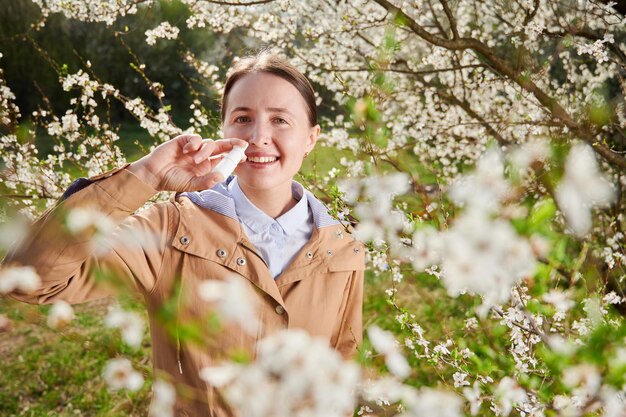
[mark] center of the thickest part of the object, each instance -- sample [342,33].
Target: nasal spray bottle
[229,162]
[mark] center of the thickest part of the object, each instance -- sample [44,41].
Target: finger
[205,181]
[206,149]
[185,137]
[193,143]
[225,145]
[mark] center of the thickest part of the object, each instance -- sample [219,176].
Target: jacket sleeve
[351,331]
[69,264]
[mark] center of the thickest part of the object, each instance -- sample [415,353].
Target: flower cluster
[8,110]
[91,11]
[130,324]
[233,301]
[119,374]
[61,314]
[596,49]
[163,31]
[21,278]
[583,188]
[479,253]
[309,378]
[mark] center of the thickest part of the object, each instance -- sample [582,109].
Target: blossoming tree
[481,157]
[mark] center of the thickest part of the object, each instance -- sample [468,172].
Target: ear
[314,133]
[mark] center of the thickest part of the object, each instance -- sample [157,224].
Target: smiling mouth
[262,159]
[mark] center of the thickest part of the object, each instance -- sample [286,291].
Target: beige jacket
[166,250]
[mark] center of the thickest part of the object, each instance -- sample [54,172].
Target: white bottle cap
[229,162]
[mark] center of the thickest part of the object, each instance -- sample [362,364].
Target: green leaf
[542,213]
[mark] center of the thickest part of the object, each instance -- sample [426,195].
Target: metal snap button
[329,252]
[338,234]
[279,309]
[185,240]
[309,255]
[241,261]
[357,250]
[221,253]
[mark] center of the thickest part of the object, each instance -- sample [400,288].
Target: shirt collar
[259,221]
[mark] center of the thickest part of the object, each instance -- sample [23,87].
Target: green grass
[50,372]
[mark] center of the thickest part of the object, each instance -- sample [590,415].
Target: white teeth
[262,159]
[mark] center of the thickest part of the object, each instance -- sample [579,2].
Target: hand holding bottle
[184,163]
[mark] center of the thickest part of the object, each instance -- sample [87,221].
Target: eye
[242,119]
[280,120]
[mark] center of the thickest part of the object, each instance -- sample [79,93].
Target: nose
[261,134]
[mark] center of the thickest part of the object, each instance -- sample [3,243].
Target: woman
[278,239]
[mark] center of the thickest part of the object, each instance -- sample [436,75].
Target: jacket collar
[220,200]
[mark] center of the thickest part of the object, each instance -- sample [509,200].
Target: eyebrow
[272,109]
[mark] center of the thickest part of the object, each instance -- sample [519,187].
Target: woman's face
[271,115]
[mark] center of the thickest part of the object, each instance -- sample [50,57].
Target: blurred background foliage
[32,58]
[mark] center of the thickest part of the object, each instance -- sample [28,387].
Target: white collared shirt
[277,240]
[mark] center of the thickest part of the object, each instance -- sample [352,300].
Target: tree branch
[471,113]
[451,19]
[501,67]
[435,20]
[530,16]
[407,71]
[587,34]
[247,3]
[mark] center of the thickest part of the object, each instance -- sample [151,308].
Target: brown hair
[271,64]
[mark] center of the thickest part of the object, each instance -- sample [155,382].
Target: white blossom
[471,323]
[163,399]
[234,300]
[484,188]
[80,219]
[164,31]
[482,263]
[22,278]
[559,299]
[60,315]
[90,11]
[385,343]
[561,345]
[473,396]
[584,378]
[509,393]
[435,403]
[129,322]
[530,152]
[378,219]
[596,49]
[582,189]
[459,379]
[426,248]
[119,373]
[612,298]
[614,402]
[309,378]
